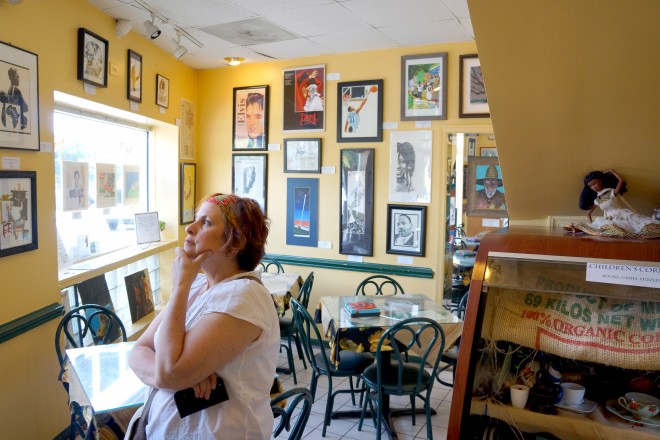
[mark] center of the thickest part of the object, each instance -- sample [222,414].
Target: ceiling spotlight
[179,50]
[234,61]
[122,27]
[152,30]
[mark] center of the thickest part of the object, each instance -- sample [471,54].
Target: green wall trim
[385,269]
[30,321]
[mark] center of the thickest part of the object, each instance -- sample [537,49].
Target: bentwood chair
[289,330]
[351,364]
[450,357]
[379,285]
[294,397]
[393,374]
[271,266]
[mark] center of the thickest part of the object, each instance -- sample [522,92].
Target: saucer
[616,409]
[585,407]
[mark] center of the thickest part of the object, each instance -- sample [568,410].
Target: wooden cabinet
[594,300]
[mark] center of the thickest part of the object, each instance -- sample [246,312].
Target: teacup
[640,405]
[573,394]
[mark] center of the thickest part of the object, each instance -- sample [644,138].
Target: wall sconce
[152,30]
[234,61]
[122,27]
[179,50]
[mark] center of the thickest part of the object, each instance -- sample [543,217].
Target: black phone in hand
[187,403]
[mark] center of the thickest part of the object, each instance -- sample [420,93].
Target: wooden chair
[450,357]
[289,330]
[294,397]
[271,266]
[379,285]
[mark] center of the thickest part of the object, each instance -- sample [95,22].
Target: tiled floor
[347,428]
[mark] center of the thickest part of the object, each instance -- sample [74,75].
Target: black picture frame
[478,203]
[249,177]
[302,211]
[162,91]
[302,155]
[92,58]
[415,104]
[18,201]
[134,76]
[357,201]
[360,111]
[472,102]
[187,193]
[410,220]
[247,114]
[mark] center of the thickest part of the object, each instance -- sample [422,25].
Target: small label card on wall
[390,125]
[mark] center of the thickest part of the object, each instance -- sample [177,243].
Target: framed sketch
[134,76]
[19,95]
[18,201]
[250,127]
[488,151]
[92,58]
[406,230]
[357,201]
[75,185]
[304,99]
[187,131]
[360,111]
[302,212]
[410,166]
[106,185]
[302,155]
[472,102]
[188,193]
[249,176]
[424,87]
[162,91]
[485,192]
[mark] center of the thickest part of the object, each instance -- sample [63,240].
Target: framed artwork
[187,131]
[140,297]
[360,111]
[302,155]
[250,127]
[249,176]
[410,166]
[357,201]
[106,185]
[424,87]
[18,200]
[471,145]
[134,76]
[302,212]
[188,193]
[162,91]
[304,99]
[75,186]
[406,230]
[92,58]
[472,102]
[488,151]
[131,184]
[485,192]
[19,95]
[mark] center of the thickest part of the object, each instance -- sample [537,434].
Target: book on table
[362,308]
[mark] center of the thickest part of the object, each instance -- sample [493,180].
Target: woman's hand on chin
[186,267]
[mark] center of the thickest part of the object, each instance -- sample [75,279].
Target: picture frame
[75,186]
[411,163]
[19,93]
[472,102]
[303,111]
[360,111]
[187,193]
[302,211]
[250,122]
[302,155]
[92,58]
[18,205]
[479,202]
[162,91]
[406,230]
[249,176]
[488,151]
[424,87]
[357,201]
[134,76]
[187,130]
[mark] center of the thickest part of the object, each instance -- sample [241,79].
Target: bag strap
[140,430]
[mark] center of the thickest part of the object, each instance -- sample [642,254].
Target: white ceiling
[260,30]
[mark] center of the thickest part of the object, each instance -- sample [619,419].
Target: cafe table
[282,287]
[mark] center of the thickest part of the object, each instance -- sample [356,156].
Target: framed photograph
[134,77]
[92,58]
[488,151]
[162,91]
[187,131]
[304,99]
[485,192]
[424,87]
[250,128]
[360,111]
[302,212]
[406,230]
[410,166]
[472,102]
[18,199]
[249,176]
[357,201]
[19,95]
[302,155]
[188,195]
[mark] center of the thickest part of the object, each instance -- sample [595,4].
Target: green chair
[379,285]
[289,331]
[450,357]
[294,398]
[271,266]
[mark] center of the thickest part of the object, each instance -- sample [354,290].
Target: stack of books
[362,308]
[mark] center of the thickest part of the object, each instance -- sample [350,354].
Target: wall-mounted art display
[187,131]
[18,201]
[304,99]
[250,128]
[302,212]
[132,185]
[360,111]
[406,230]
[488,151]
[162,91]
[19,96]
[75,185]
[249,176]
[106,185]
[424,87]
[410,166]
[302,155]
[485,191]
[92,58]
[140,298]
[357,201]
[472,102]
[134,77]
[188,196]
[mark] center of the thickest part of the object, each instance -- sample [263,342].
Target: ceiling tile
[427,33]
[249,32]
[380,13]
[368,39]
[196,13]
[458,7]
[290,49]
[318,20]
[262,7]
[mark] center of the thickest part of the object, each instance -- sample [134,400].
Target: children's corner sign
[627,275]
